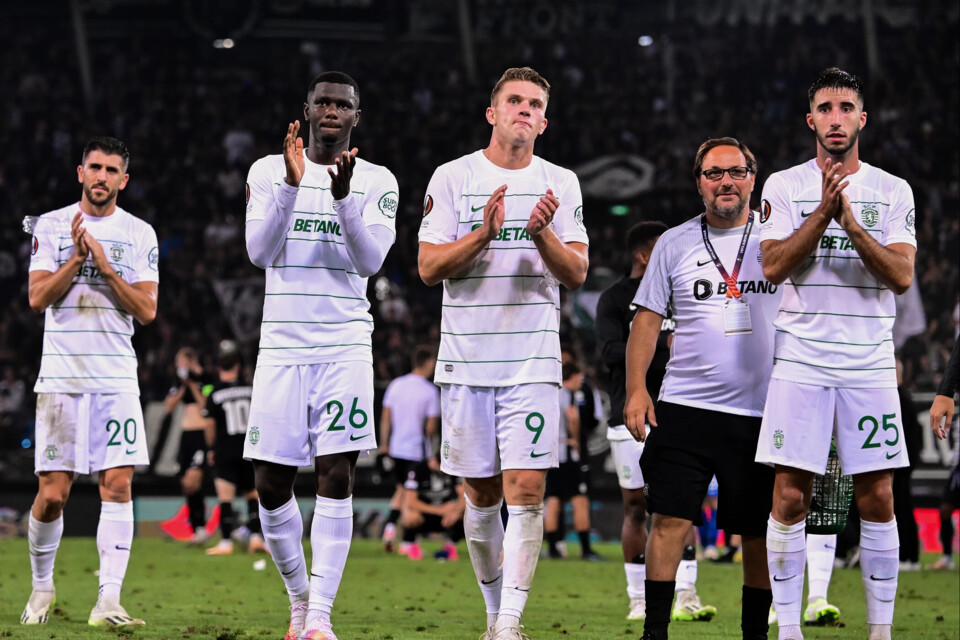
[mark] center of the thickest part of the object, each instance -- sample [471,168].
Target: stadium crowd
[196,117]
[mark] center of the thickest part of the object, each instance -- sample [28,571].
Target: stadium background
[200,89]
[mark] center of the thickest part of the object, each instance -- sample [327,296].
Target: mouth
[836,136]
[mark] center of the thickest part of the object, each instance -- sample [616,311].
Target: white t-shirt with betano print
[87,333]
[501,319]
[835,325]
[315,308]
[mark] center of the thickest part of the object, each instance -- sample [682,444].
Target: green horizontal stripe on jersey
[314,295]
[307,186]
[500,361]
[118,333]
[289,239]
[506,195]
[104,355]
[498,333]
[849,344]
[886,204]
[120,311]
[321,346]
[519,275]
[829,313]
[837,229]
[505,221]
[116,264]
[100,240]
[87,378]
[315,321]
[306,266]
[836,286]
[315,213]
[530,248]
[823,366]
[505,304]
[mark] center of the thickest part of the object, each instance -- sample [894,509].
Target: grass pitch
[182,593]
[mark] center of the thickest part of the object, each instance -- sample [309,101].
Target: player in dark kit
[228,406]
[434,502]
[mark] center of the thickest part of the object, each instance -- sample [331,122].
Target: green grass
[183,593]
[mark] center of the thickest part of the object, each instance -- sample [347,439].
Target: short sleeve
[44,249]
[568,221]
[260,193]
[388,395]
[440,217]
[776,222]
[433,402]
[655,286]
[146,260]
[380,206]
[901,223]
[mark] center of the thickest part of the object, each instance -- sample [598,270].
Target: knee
[191,482]
[876,504]
[527,488]
[636,514]
[116,490]
[51,500]
[411,519]
[790,505]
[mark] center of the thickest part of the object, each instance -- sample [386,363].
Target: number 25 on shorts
[871,423]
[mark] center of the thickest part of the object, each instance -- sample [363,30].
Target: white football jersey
[411,400]
[501,319]
[315,308]
[708,368]
[86,333]
[835,326]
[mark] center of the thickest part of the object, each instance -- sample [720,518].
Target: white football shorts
[626,457]
[489,429]
[299,412]
[89,432]
[799,420]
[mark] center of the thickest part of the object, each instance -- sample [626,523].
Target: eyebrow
[843,103]
[521,97]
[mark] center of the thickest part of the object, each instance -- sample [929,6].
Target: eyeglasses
[737,173]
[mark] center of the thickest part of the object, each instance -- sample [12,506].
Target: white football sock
[330,538]
[114,537]
[686,576]
[821,550]
[879,569]
[636,574]
[483,530]
[521,550]
[283,531]
[44,540]
[786,548]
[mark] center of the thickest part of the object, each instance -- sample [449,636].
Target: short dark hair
[642,233]
[712,143]
[228,354]
[569,369]
[422,355]
[521,74]
[109,146]
[836,78]
[334,77]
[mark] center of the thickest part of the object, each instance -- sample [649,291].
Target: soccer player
[320,220]
[228,407]
[501,228]
[941,417]
[189,390]
[615,313]
[408,424]
[93,271]
[839,235]
[707,272]
[434,502]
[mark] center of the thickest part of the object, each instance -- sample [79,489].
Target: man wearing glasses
[706,271]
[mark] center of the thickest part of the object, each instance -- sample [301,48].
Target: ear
[543,126]
[810,122]
[491,116]
[126,178]
[80,173]
[863,119]
[306,112]
[356,118]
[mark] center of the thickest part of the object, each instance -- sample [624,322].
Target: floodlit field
[182,593]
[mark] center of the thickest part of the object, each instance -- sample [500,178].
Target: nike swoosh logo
[538,455]
[291,572]
[700,264]
[475,209]
[490,581]
[893,455]
[779,579]
[119,548]
[805,214]
[130,453]
[353,437]
[826,546]
[69,246]
[873,577]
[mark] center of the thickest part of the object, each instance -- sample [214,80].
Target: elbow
[147,316]
[36,304]
[901,284]
[428,274]
[773,275]
[257,260]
